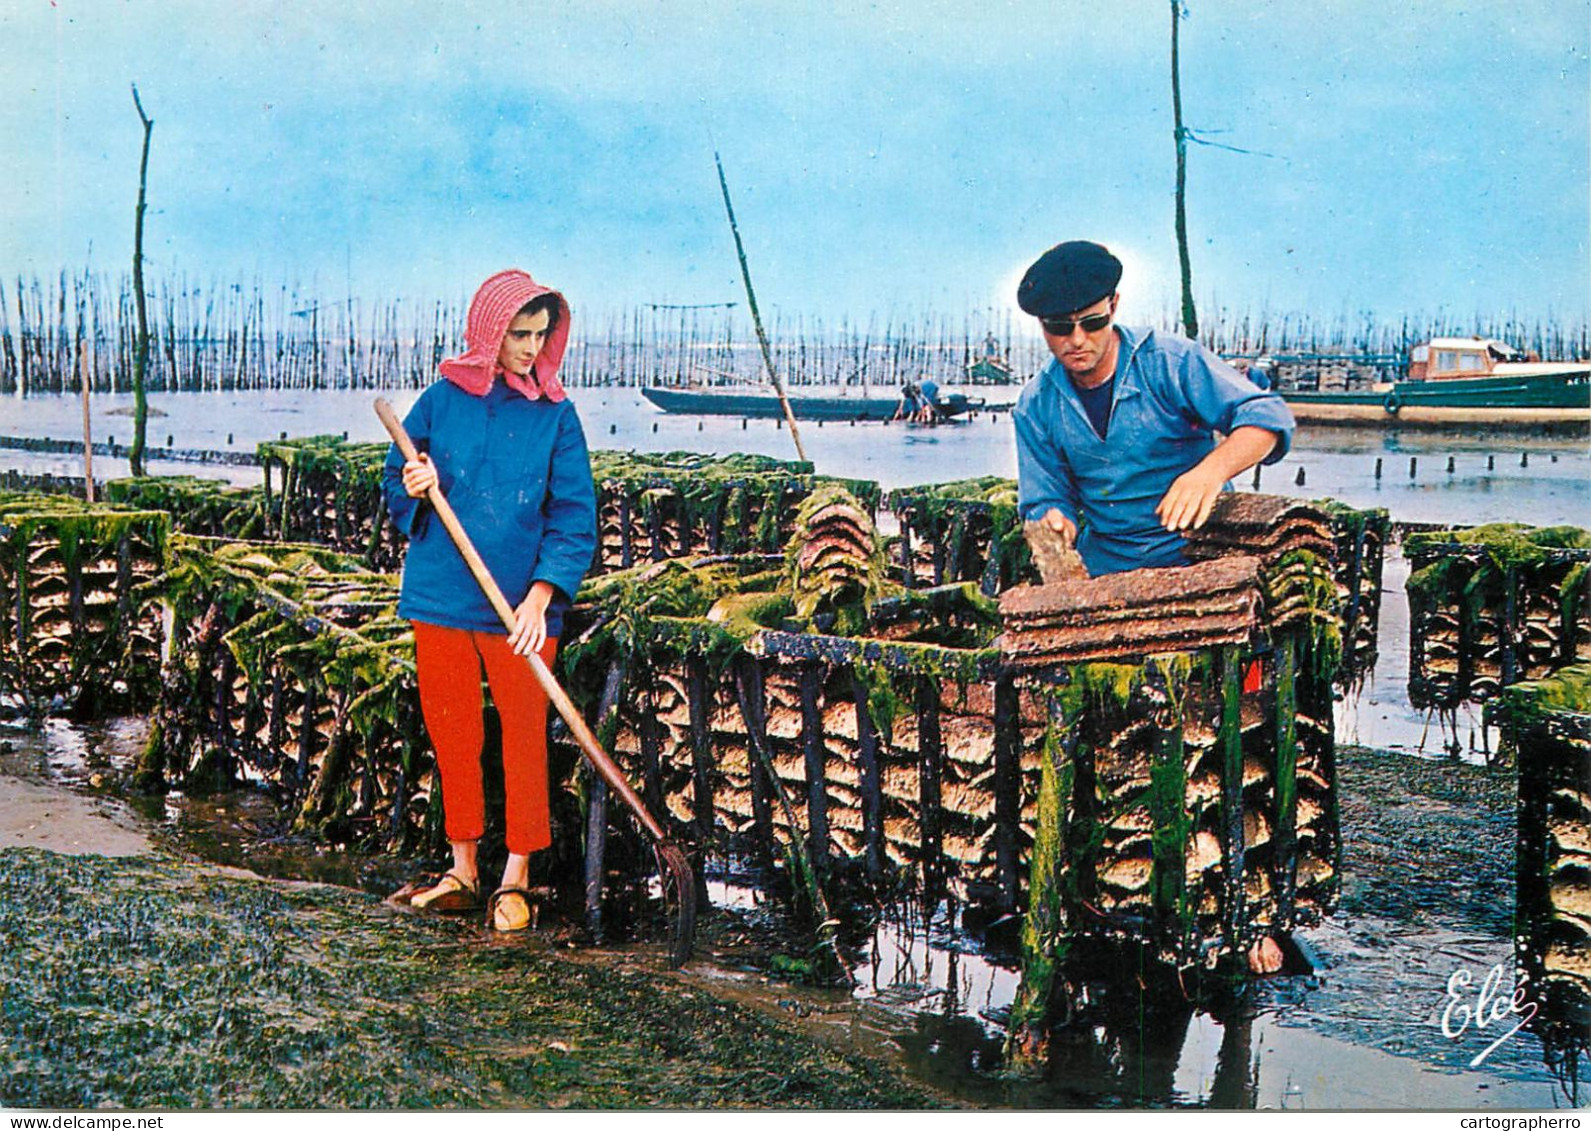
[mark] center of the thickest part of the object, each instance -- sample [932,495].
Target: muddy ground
[138,974]
[148,981]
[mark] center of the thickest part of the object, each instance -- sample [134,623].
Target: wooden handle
[587,741]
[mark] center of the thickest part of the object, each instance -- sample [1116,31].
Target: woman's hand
[419,476]
[530,620]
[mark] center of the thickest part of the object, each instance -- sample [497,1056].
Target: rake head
[679,896]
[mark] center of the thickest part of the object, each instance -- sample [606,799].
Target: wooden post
[1046,930]
[931,758]
[597,800]
[135,455]
[626,547]
[1007,790]
[1190,320]
[306,734]
[815,756]
[701,750]
[908,574]
[1285,857]
[1508,626]
[88,430]
[751,695]
[1174,910]
[651,749]
[989,581]
[956,550]
[655,532]
[756,318]
[1230,744]
[867,739]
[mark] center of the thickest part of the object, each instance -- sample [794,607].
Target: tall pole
[1190,320]
[135,455]
[88,431]
[756,319]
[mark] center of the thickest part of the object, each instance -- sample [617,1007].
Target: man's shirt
[1170,396]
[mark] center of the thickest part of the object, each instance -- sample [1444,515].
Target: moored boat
[1462,380]
[834,405]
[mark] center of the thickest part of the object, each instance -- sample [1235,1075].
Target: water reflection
[1360,1031]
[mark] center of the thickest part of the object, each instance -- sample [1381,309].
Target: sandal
[447,894]
[507,921]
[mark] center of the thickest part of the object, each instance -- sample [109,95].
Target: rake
[674,870]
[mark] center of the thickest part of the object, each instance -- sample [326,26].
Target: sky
[884,158]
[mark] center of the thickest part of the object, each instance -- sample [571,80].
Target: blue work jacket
[517,473]
[1170,396]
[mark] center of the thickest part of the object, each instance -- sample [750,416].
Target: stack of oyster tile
[1295,545]
[1142,612]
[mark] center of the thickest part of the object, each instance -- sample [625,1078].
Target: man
[1115,437]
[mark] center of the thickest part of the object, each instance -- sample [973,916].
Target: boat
[761,403]
[990,369]
[1462,380]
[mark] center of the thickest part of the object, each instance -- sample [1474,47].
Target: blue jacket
[518,475]
[1170,395]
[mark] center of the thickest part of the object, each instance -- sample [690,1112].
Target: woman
[499,436]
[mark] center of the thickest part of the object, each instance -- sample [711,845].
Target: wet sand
[51,817]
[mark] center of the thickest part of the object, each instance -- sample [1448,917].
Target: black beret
[1068,277]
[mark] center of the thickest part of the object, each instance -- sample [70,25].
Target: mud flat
[154,982]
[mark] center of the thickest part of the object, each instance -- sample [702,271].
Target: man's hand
[1191,497]
[1062,525]
[530,620]
[419,476]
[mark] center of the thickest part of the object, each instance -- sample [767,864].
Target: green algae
[1046,940]
[76,581]
[943,512]
[201,506]
[744,498]
[1509,567]
[1506,545]
[277,611]
[1167,802]
[151,984]
[1567,690]
[857,580]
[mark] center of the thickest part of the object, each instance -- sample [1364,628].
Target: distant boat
[990,369]
[757,403]
[1470,377]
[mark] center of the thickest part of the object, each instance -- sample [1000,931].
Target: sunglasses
[1063,327]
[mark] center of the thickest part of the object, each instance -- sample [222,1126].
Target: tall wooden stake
[88,432]
[1190,320]
[756,319]
[135,454]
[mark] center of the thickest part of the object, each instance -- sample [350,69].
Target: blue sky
[886,158]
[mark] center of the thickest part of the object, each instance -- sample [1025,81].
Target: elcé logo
[1492,1002]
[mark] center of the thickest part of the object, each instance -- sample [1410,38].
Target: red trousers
[448,661]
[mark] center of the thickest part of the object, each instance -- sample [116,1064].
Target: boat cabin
[1446,358]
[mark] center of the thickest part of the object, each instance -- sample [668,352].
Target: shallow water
[1554,487]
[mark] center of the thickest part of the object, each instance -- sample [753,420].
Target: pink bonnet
[491,310]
